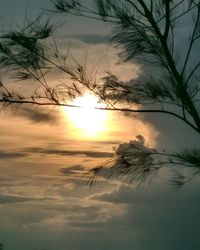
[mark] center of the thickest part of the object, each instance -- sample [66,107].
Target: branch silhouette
[146,32]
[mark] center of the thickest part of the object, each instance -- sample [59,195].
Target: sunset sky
[44,197]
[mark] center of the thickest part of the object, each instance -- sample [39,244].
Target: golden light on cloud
[87,121]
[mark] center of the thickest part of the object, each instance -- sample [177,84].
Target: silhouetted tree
[148,34]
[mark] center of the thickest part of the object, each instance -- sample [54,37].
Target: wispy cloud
[63,152]
[73,170]
[90,38]
[15,198]
[35,115]
[11,155]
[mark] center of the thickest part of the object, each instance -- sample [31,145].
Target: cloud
[107,142]
[15,198]
[157,216]
[63,152]
[73,170]
[11,155]
[90,38]
[10,198]
[77,175]
[155,194]
[35,115]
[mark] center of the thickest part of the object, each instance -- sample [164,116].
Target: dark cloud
[10,198]
[11,155]
[75,169]
[107,142]
[77,175]
[157,217]
[63,152]
[91,38]
[148,195]
[36,115]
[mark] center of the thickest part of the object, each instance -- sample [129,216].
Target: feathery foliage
[147,34]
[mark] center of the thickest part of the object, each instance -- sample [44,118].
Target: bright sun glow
[87,121]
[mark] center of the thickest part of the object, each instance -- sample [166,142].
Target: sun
[87,121]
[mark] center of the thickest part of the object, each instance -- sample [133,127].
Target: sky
[45,201]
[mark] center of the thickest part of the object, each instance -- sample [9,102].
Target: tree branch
[192,72]
[167,19]
[179,80]
[192,41]
[24,101]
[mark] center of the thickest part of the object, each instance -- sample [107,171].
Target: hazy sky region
[44,197]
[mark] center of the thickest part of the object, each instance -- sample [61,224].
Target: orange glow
[88,121]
